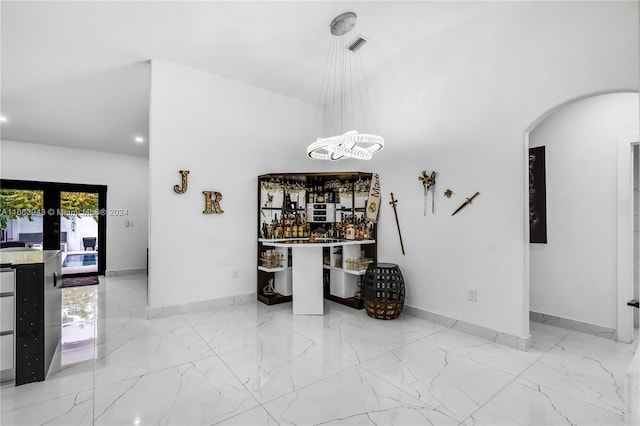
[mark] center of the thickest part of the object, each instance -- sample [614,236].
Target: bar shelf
[340,284]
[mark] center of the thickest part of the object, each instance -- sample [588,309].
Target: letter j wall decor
[537,196]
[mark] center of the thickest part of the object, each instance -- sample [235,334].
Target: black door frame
[51,222]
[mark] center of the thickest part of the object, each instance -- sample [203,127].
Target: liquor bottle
[305,227]
[287,202]
[287,228]
[294,227]
[300,221]
[278,229]
[351,232]
[268,230]
[319,194]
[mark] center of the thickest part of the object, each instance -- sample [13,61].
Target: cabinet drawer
[6,351]
[6,313]
[7,281]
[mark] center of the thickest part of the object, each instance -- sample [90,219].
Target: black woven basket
[383,291]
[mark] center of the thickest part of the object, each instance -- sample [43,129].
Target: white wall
[574,275]
[636,231]
[457,102]
[126,177]
[226,134]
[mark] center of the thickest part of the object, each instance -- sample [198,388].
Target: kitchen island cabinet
[31,334]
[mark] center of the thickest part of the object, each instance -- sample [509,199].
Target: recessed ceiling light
[139,139]
[3,119]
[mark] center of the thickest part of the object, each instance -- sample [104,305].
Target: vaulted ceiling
[77,73]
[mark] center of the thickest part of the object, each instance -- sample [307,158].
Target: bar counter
[307,270]
[319,242]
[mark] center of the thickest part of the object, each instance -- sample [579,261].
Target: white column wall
[226,134]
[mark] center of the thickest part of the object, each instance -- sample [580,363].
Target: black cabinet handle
[635,303]
[55,279]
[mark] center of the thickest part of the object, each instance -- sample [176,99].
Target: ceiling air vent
[357,43]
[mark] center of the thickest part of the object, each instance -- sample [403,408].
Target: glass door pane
[79,232]
[21,218]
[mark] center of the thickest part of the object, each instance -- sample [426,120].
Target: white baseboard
[198,306]
[121,272]
[583,327]
[510,340]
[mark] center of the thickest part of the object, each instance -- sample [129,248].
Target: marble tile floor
[251,364]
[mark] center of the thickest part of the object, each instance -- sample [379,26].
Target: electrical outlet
[472,295]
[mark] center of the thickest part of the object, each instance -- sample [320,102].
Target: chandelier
[345,98]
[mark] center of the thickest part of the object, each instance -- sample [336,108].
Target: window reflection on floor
[79,318]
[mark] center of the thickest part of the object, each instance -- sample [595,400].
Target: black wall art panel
[537,196]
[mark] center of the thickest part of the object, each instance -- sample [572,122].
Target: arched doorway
[575,279]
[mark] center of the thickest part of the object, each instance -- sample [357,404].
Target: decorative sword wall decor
[428,181]
[465,203]
[393,203]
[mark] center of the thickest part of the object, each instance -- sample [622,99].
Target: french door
[73,220]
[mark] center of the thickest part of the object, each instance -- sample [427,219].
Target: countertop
[321,242]
[26,256]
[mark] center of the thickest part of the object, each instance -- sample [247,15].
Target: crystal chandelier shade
[344,99]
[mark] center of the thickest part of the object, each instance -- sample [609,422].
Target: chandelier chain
[348,91]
